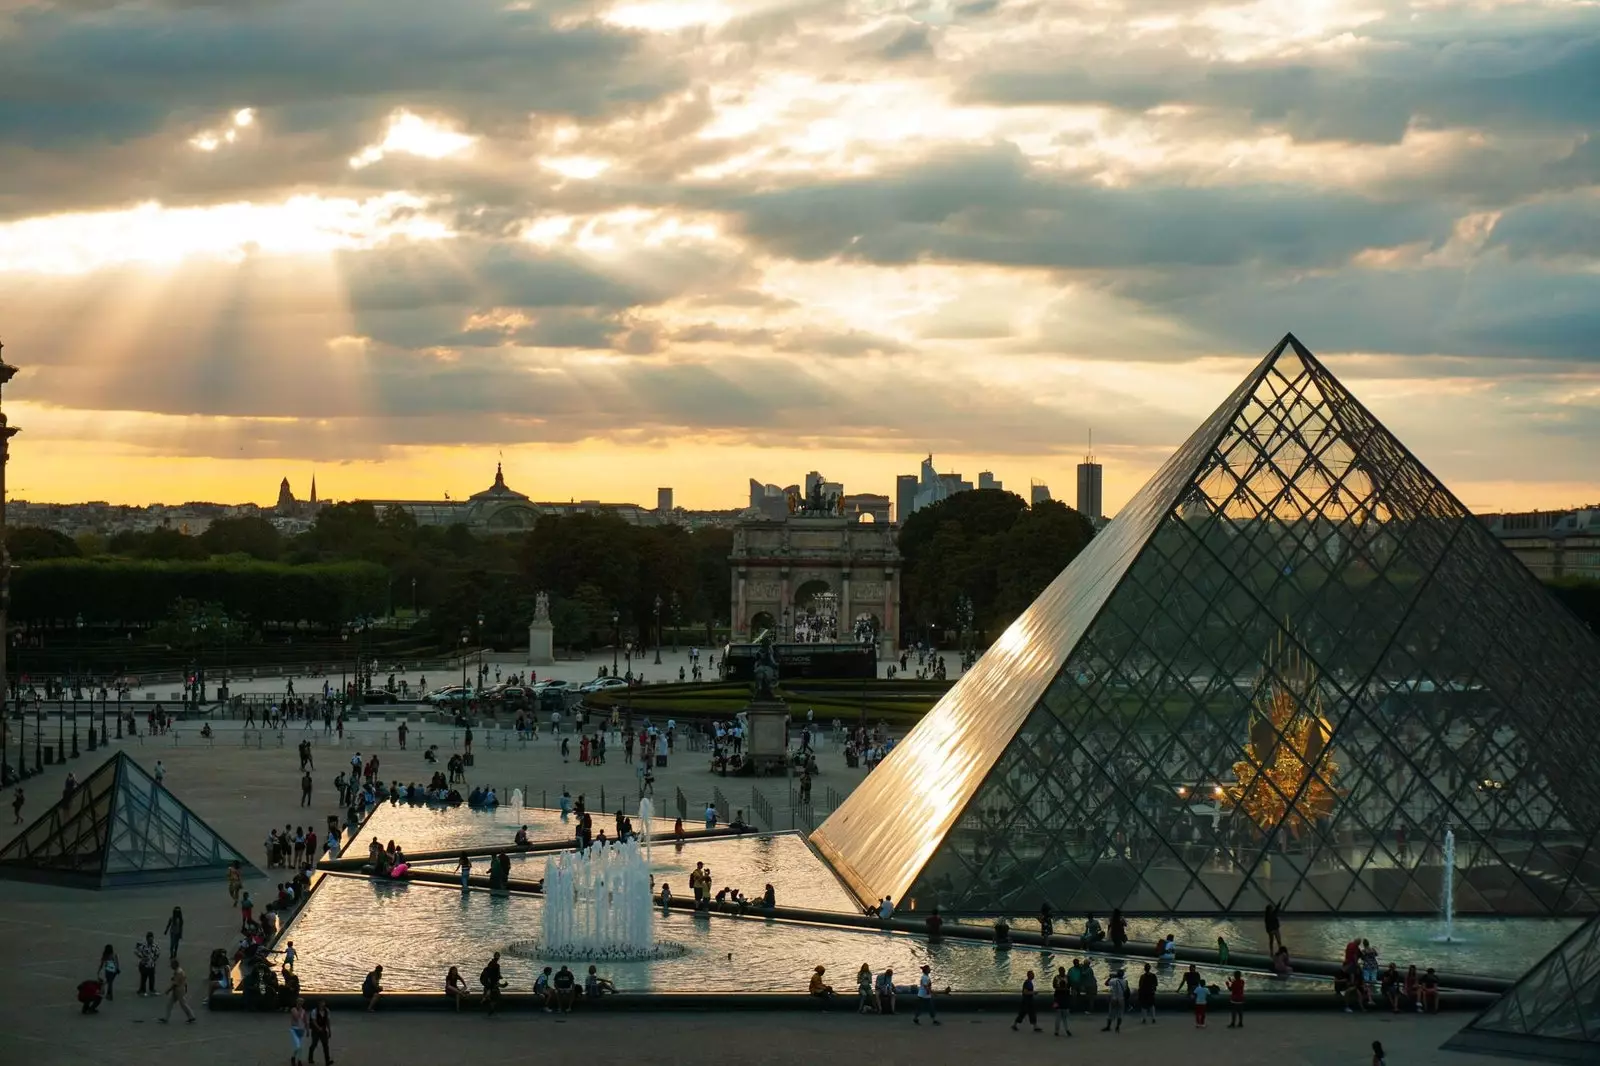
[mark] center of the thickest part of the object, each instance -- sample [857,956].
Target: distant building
[502,509]
[987,480]
[1089,480]
[1552,544]
[664,501]
[1038,492]
[770,500]
[289,508]
[931,487]
[905,496]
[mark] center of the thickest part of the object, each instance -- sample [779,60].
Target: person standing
[109,968]
[305,789]
[1026,1009]
[925,998]
[148,955]
[1201,994]
[174,931]
[1147,996]
[161,773]
[1061,1000]
[235,882]
[1236,1001]
[298,1026]
[1116,1001]
[1269,918]
[17,800]
[177,993]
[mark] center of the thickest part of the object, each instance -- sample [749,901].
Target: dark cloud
[991,206]
[1484,74]
[1555,228]
[1489,308]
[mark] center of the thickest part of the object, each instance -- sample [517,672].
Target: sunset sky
[689,242]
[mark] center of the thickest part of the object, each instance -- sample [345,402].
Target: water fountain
[1447,888]
[597,906]
[516,801]
[646,809]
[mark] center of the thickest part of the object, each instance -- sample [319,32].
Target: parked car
[456,697]
[601,684]
[378,695]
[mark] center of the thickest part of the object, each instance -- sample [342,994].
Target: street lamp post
[344,684]
[616,638]
[677,622]
[658,630]
[466,635]
[78,672]
[483,671]
[222,690]
[413,600]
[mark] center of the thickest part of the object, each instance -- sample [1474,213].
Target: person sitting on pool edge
[818,987]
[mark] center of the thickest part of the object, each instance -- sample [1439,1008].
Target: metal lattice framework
[120,827]
[1551,1013]
[1291,664]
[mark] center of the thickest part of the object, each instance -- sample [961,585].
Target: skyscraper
[987,480]
[1038,493]
[664,500]
[905,496]
[1089,489]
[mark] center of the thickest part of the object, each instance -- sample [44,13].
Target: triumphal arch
[785,570]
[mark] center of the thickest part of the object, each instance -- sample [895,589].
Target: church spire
[313,500]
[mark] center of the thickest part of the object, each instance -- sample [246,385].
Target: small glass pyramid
[118,828]
[1290,665]
[1551,1013]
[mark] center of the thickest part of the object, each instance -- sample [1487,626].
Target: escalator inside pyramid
[1294,670]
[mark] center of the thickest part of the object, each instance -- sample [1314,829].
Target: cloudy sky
[687,242]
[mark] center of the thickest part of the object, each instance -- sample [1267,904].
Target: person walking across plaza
[1146,996]
[925,998]
[174,931]
[299,1025]
[17,800]
[148,955]
[1026,1009]
[1236,1001]
[1116,1001]
[109,968]
[321,1023]
[177,993]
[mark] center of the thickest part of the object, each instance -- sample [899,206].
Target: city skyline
[635,243]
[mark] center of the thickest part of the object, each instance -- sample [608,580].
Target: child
[1201,994]
[289,955]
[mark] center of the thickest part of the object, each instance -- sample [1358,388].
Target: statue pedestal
[541,643]
[766,738]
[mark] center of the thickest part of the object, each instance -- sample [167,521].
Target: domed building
[502,509]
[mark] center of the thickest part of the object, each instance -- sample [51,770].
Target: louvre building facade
[1294,669]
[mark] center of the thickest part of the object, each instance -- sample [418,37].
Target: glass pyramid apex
[1287,669]
[119,827]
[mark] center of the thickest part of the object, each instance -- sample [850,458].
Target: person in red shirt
[1236,1000]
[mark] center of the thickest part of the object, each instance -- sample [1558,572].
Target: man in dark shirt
[492,984]
[564,982]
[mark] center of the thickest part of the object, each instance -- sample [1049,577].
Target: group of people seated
[559,989]
[482,797]
[726,898]
[386,861]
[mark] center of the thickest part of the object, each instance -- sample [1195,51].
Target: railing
[761,810]
[724,808]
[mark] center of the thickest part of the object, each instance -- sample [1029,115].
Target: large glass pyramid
[118,828]
[1552,1013]
[1289,668]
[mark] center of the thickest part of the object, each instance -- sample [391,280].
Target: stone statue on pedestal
[766,669]
[541,607]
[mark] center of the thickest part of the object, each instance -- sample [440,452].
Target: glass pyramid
[1552,1013]
[118,828]
[1288,668]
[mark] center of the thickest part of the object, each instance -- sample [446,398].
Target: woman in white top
[298,1025]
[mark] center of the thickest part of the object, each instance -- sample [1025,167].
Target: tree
[986,545]
[26,543]
[250,536]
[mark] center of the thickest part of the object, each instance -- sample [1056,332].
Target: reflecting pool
[416,932]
